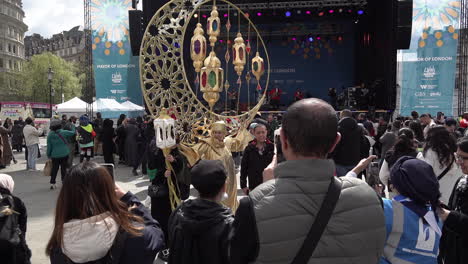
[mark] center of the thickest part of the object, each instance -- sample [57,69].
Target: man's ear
[284,140]
[337,140]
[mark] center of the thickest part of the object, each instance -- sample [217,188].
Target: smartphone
[278,149]
[110,168]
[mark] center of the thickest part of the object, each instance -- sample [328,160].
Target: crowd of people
[320,187]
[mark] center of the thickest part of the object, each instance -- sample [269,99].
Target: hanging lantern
[212,79]
[198,48]
[214,26]
[238,51]
[164,127]
[258,66]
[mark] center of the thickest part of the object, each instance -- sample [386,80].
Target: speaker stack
[404,23]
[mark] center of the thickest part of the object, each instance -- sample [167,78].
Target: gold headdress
[219,126]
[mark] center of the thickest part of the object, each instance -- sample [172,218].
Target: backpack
[9,227]
[85,137]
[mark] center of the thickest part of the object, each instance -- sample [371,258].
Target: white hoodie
[89,239]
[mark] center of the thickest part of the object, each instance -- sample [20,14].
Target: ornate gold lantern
[198,48]
[164,127]
[258,66]
[214,26]
[239,56]
[212,79]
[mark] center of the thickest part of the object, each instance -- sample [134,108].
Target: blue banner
[427,69]
[116,71]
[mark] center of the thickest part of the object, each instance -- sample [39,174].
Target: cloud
[48,17]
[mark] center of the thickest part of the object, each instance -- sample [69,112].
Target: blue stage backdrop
[428,67]
[116,71]
[311,61]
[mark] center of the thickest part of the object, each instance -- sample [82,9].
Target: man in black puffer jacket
[199,228]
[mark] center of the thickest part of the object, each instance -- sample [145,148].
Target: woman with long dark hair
[403,147]
[417,129]
[96,220]
[107,137]
[439,152]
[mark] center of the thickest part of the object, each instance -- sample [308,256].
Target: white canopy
[106,105]
[132,106]
[75,105]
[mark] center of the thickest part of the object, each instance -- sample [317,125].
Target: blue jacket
[410,239]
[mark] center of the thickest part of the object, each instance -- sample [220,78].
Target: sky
[49,17]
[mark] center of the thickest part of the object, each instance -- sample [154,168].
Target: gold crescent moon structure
[163,74]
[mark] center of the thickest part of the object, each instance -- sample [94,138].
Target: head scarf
[416,180]
[7,182]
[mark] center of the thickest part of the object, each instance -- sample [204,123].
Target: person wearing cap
[199,228]
[86,137]
[413,227]
[214,148]
[57,150]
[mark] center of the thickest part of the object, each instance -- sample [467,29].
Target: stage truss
[462,63]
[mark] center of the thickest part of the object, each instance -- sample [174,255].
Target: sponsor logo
[116,77]
[430,72]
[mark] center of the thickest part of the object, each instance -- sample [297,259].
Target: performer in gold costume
[214,148]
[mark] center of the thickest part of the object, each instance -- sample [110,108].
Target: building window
[9,47]
[10,65]
[14,49]
[1,63]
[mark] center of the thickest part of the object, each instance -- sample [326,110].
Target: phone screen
[278,148]
[110,169]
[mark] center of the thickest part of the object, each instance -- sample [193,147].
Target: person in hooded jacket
[95,220]
[199,228]
[86,137]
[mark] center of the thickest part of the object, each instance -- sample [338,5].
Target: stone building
[70,45]
[12,29]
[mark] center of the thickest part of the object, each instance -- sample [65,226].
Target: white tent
[75,105]
[132,106]
[109,108]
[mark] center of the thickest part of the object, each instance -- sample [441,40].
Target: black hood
[348,124]
[198,215]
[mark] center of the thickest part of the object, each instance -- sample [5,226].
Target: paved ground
[33,189]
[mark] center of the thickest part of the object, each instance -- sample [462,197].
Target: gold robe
[211,149]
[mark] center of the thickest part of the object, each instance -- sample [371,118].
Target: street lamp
[61,90]
[50,75]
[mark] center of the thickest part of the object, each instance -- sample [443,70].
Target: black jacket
[253,164]
[349,151]
[198,233]
[454,241]
[141,249]
[21,253]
